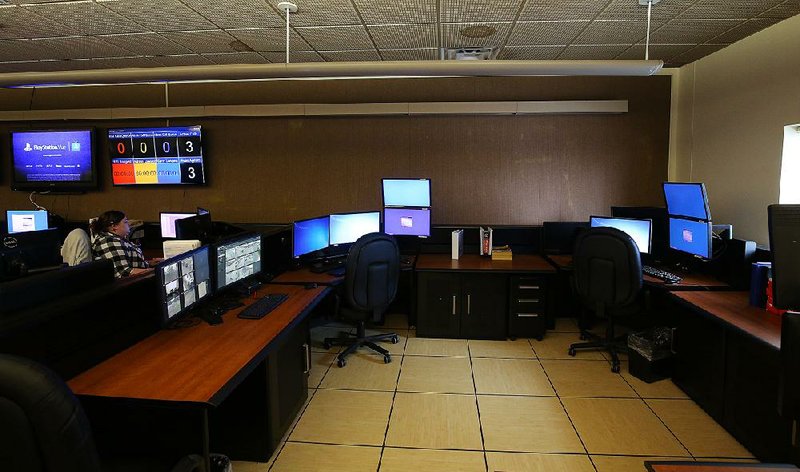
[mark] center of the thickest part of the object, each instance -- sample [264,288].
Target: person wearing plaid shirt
[110,241]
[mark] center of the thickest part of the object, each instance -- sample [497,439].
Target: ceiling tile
[410,54]
[270,39]
[183,60]
[78,48]
[36,66]
[236,58]
[350,56]
[691,31]
[204,41]
[238,13]
[665,52]
[161,15]
[631,10]
[86,18]
[721,9]
[18,23]
[545,32]
[324,13]
[613,32]
[404,36]
[378,12]
[531,53]
[298,56]
[115,63]
[146,44]
[453,37]
[592,52]
[23,50]
[697,53]
[559,10]
[468,11]
[336,38]
[784,10]
[743,30]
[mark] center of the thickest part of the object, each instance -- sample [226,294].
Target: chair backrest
[77,248]
[608,270]
[42,426]
[372,273]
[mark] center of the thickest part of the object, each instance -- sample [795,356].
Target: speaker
[733,265]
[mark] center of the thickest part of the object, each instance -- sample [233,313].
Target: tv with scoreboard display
[153,156]
[55,160]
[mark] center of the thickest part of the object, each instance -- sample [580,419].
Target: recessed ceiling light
[478,31]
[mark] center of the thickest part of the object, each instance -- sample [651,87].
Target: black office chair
[370,284]
[608,279]
[44,429]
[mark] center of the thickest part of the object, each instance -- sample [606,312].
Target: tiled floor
[459,405]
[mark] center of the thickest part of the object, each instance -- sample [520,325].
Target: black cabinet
[527,307]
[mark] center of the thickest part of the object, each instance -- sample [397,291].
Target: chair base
[353,342]
[613,345]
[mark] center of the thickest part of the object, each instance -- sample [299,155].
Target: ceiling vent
[469,54]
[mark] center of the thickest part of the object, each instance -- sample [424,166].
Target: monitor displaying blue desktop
[348,227]
[236,259]
[407,221]
[183,281]
[691,237]
[167,221]
[310,235]
[20,221]
[687,200]
[407,192]
[640,231]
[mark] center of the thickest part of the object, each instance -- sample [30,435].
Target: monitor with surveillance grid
[183,281]
[236,259]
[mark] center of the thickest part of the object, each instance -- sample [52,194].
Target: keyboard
[667,277]
[263,306]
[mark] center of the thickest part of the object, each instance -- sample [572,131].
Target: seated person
[110,241]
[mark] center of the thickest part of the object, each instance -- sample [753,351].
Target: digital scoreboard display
[147,156]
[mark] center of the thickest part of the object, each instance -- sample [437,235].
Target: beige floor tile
[364,370]
[627,463]
[566,325]
[577,378]
[434,421]
[436,375]
[660,389]
[298,457]
[394,349]
[556,345]
[319,333]
[527,462]
[436,347]
[344,417]
[519,349]
[510,377]
[320,362]
[696,430]
[242,466]
[404,460]
[527,424]
[622,356]
[621,426]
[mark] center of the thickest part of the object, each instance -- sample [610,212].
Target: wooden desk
[304,275]
[472,262]
[676,466]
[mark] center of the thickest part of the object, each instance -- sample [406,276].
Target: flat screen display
[407,192]
[639,230]
[183,281]
[687,200]
[59,159]
[237,259]
[348,227]
[407,221]
[310,235]
[168,220]
[20,221]
[152,156]
[691,237]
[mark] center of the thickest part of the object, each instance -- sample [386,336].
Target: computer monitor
[784,243]
[20,221]
[690,236]
[310,235]
[236,259]
[641,231]
[659,246]
[194,227]
[168,223]
[183,281]
[407,192]
[687,200]
[346,228]
[407,221]
[30,252]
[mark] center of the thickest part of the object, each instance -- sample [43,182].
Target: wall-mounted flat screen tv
[57,160]
[153,156]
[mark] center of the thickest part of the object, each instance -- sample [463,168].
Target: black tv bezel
[331,244]
[383,192]
[294,224]
[159,184]
[166,320]
[60,185]
[693,220]
[706,207]
[215,259]
[650,236]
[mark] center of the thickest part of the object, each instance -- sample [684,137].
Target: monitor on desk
[346,228]
[310,235]
[407,192]
[29,252]
[194,227]
[687,200]
[168,220]
[236,259]
[639,230]
[690,237]
[20,221]
[784,243]
[407,221]
[183,281]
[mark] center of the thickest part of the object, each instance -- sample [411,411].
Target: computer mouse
[310,285]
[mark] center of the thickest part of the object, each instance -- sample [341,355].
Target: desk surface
[200,363]
[304,275]
[520,263]
[675,466]
[735,309]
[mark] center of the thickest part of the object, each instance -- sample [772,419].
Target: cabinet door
[484,306]
[438,304]
[288,381]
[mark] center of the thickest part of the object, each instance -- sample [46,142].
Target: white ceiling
[42,35]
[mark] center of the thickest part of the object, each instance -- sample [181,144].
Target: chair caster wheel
[341,362]
[327,345]
[615,368]
[387,359]
[571,351]
[395,340]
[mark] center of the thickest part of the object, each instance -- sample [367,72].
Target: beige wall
[732,108]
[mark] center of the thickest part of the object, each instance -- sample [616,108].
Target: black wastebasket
[650,354]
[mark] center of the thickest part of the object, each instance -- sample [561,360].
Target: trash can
[650,354]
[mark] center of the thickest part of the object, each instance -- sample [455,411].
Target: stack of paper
[501,253]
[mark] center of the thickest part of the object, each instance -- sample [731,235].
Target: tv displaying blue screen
[407,221]
[53,160]
[691,237]
[687,200]
[407,192]
[20,221]
[348,227]
[640,231]
[310,235]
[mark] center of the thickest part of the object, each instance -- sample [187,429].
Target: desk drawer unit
[527,307]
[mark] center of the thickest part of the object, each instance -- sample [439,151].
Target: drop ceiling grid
[270,39]
[680,31]
[336,38]
[785,10]
[534,10]
[77,48]
[631,10]
[86,18]
[592,52]
[721,9]
[743,30]
[184,60]
[404,36]
[613,32]
[298,56]
[697,52]
[452,37]
[545,32]
[346,56]
[665,52]
[238,13]
[161,15]
[430,54]
[379,12]
[146,44]
[17,23]
[543,53]
[324,13]
[467,11]
[203,41]
[236,58]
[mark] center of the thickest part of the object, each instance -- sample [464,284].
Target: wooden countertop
[197,364]
[677,466]
[520,263]
[304,275]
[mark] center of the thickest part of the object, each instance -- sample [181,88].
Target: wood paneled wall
[484,169]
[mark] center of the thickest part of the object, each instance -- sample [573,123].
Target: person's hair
[106,220]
